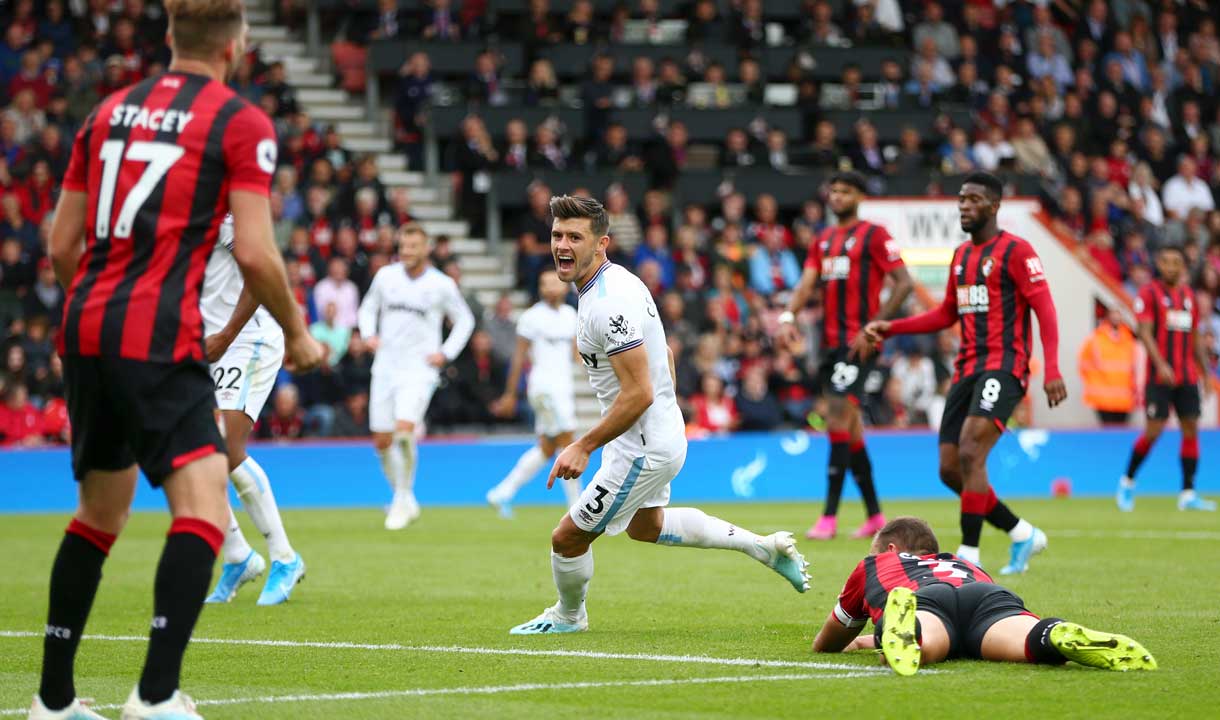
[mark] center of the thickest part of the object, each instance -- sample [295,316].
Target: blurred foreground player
[928,606]
[245,349]
[1169,330]
[622,343]
[153,172]
[852,261]
[546,333]
[995,280]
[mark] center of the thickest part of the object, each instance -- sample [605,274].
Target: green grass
[462,577]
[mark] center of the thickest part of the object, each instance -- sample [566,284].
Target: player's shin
[236,548]
[974,511]
[836,471]
[691,527]
[393,465]
[74,580]
[571,490]
[572,576]
[528,465]
[410,457]
[1139,451]
[862,472]
[254,489]
[1189,457]
[1038,647]
[182,582]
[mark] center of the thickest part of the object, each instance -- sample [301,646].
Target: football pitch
[414,624]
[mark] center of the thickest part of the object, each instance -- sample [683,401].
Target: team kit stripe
[965,356]
[840,295]
[178,327]
[862,272]
[982,320]
[118,337]
[97,250]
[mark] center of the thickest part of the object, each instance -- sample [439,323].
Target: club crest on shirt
[618,325]
[987,265]
[851,243]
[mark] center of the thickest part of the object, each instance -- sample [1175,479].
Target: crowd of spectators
[1111,105]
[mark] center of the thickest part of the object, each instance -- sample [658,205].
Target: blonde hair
[201,28]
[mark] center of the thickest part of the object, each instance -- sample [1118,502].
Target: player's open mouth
[565,263]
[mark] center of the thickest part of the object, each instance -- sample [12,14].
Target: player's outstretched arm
[216,345]
[507,404]
[263,270]
[787,331]
[835,636]
[67,241]
[1048,330]
[462,318]
[635,396]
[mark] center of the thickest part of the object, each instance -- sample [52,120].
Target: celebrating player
[928,606]
[245,348]
[994,281]
[546,333]
[852,261]
[622,344]
[1169,330]
[400,319]
[153,171]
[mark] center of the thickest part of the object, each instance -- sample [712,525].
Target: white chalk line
[460,650]
[1137,534]
[493,689]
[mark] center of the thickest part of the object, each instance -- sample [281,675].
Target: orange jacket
[1108,368]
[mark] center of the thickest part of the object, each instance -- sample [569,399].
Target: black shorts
[1184,399]
[992,394]
[159,415]
[968,612]
[840,376]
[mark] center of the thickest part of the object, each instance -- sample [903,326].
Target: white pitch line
[459,650]
[496,689]
[1138,534]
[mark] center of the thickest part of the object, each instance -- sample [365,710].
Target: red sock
[205,530]
[100,540]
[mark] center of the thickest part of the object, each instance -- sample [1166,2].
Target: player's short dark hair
[852,178]
[1173,247]
[200,28]
[909,535]
[571,207]
[993,184]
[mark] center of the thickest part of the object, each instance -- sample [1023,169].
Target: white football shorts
[554,413]
[400,397]
[622,485]
[245,374]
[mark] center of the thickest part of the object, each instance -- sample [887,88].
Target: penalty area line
[494,690]
[460,650]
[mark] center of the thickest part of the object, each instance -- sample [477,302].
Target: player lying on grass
[928,606]
[622,343]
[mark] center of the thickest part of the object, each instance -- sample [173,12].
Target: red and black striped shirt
[1174,316]
[991,285]
[852,262]
[868,586]
[158,160]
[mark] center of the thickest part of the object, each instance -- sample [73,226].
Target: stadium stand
[711,123]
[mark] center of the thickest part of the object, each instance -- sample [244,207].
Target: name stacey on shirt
[158,119]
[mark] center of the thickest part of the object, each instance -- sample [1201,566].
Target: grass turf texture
[463,577]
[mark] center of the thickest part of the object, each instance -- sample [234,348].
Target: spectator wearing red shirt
[37,193]
[766,223]
[1101,249]
[714,411]
[31,77]
[20,421]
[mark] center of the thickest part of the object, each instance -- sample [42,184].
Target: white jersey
[222,285]
[551,332]
[617,314]
[406,313]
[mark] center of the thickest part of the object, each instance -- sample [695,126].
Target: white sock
[1022,532]
[1126,482]
[968,553]
[235,548]
[572,576]
[393,465]
[571,490]
[690,527]
[1186,495]
[528,465]
[255,492]
[410,460]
